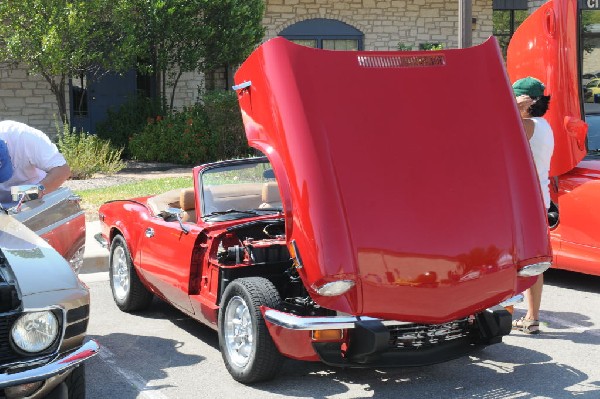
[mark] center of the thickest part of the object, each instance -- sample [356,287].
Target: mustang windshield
[238,190]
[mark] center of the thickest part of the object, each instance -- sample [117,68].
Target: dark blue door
[89,105]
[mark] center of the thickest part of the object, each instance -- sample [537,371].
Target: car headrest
[270,192]
[187,199]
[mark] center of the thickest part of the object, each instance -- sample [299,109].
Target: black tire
[248,360]
[75,382]
[128,291]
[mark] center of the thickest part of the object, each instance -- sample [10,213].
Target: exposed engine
[261,245]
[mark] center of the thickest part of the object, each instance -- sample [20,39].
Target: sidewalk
[95,258]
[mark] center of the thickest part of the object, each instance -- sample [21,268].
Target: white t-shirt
[542,147]
[31,152]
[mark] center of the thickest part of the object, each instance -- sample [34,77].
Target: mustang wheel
[76,383]
[246,346]
[128,291]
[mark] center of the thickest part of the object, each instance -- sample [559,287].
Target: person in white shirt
[533,104]
[27,156]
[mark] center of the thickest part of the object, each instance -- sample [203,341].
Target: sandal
[527,326]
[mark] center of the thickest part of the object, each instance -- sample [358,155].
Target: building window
[324,33]
[507,16]
[78,96]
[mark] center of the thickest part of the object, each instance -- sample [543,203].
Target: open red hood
[545,47]
[406,172]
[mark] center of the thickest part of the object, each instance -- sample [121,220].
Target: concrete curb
[95,258]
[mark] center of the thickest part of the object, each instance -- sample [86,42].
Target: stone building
[336,24]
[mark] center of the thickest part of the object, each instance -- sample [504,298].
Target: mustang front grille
[7,354]
[77,321]
[425,335]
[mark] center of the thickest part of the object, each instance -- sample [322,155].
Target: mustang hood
[407,173]
[545,46]
[36,266]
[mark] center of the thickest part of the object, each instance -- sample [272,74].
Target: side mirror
[26,192]
[174,213]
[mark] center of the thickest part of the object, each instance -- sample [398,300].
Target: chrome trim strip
[241,86]
[58,223]
[512,301]
[299,323]
[292,322]
[534,269]
[103,243]
[57,366]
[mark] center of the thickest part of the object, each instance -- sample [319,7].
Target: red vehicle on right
[560,44]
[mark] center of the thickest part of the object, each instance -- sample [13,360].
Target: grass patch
[92,199]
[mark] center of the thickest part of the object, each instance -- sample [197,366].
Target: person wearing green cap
[533,104]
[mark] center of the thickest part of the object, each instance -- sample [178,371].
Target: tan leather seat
[187,203]
[270,196]
[161,202]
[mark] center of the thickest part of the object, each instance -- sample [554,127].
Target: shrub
[431,46]
[404,47]
[181,137]
[206,131]
[129,119]
[225,125]
[87,154]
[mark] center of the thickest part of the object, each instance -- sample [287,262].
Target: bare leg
[533,297]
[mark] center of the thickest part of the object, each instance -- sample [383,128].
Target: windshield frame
[235,189]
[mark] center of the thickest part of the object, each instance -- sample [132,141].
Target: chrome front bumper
[299,323]
[55,367]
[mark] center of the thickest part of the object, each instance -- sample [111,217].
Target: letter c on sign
[592,3]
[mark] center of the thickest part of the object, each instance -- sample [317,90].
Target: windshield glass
[590,75]
[240,189]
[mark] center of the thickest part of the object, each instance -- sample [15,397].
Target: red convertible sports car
[383,226]
[549,46]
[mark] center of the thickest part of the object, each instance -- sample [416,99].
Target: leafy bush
[129,119]
[225,125]
[404,47]
[431,46]
[181,137]
[206,131]
[87,154]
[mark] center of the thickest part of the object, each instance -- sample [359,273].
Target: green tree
[181,36]
[234,28]
[59,39]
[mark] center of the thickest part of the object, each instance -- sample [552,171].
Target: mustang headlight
[334,288]
[35,332]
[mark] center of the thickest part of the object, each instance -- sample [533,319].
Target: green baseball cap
[528,86]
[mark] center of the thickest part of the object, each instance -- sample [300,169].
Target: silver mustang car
[44,307]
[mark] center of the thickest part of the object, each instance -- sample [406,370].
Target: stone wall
[27,98]
[385,23]
[187,90]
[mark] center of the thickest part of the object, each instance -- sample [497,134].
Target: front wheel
[244,340]
[128,291]
[75,383]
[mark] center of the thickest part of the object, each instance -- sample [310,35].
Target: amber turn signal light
[327,335]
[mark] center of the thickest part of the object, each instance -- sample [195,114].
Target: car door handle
[149,232]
